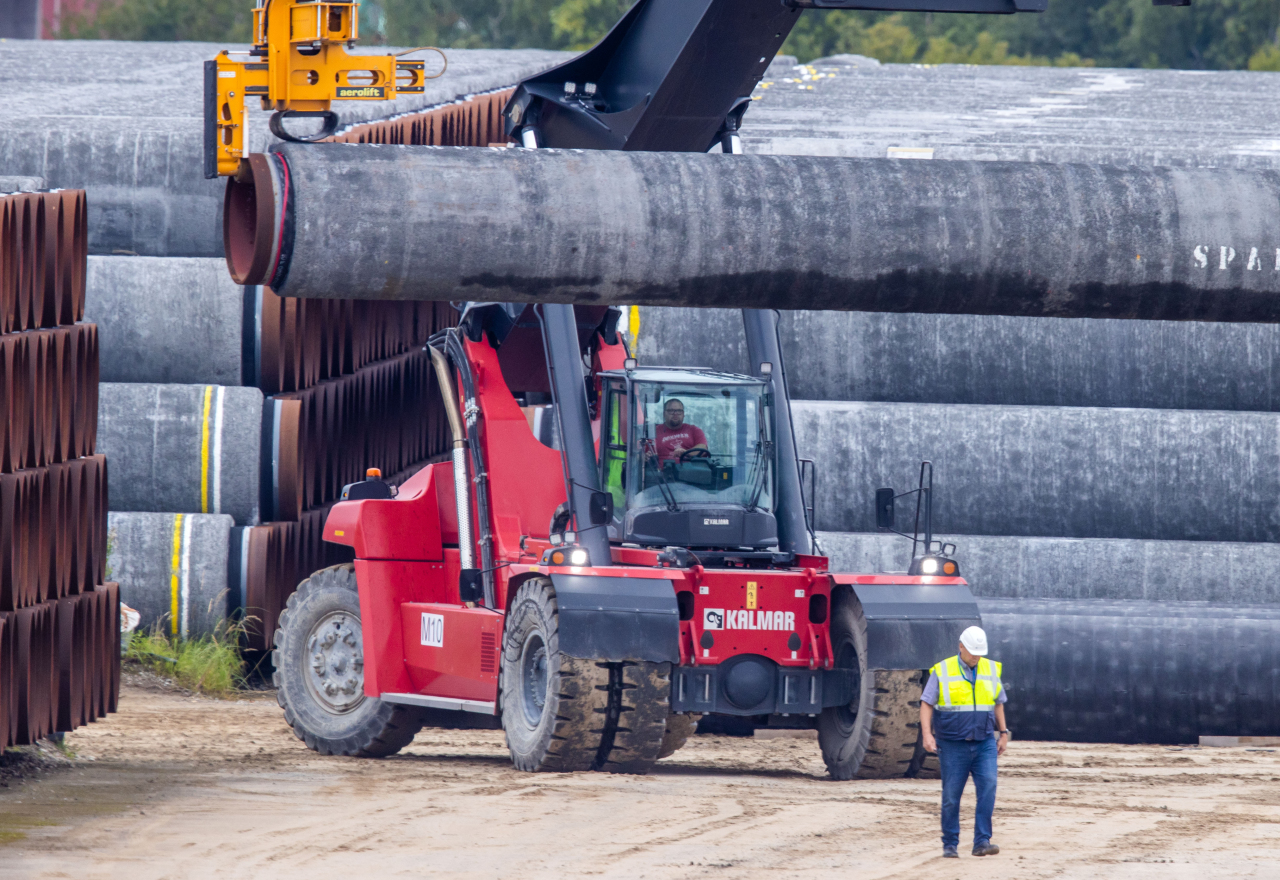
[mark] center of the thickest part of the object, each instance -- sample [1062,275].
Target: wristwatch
[1005,732]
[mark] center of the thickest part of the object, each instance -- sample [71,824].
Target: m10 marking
[1224,256]
[433,630]
[719,618]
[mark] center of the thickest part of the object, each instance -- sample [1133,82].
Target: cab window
[613,448]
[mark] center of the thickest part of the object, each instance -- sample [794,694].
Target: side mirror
[884,509]
[601,508]
[470,585]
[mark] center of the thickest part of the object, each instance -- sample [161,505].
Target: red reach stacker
[576,577]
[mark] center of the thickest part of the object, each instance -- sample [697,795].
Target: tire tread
[641,725]
[387,730]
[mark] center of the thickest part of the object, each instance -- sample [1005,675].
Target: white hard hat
[974,640]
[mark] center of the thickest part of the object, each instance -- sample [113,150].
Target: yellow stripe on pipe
[633,330]
[204,450]
[175,574]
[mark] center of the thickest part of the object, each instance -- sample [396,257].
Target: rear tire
[679,729]
[554,707]
[319,673]
[875,736]
[642,704]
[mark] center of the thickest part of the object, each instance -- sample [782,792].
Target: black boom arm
[673,75]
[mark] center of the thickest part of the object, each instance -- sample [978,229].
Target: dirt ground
[177,786]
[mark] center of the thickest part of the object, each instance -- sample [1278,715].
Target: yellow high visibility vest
[956,694]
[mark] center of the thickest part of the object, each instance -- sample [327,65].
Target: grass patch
[208,664]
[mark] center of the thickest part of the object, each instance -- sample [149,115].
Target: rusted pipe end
[250,221]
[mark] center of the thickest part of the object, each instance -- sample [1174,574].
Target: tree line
[1210,35]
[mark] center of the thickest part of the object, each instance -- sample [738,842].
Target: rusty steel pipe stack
[385,415]
[59,621]
[43,245]
[301,342]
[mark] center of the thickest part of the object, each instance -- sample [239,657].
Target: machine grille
[489,653]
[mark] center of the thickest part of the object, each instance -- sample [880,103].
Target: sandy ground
[176,786]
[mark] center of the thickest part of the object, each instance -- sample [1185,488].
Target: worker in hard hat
[962,719]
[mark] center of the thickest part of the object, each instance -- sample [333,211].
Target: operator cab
[688,457]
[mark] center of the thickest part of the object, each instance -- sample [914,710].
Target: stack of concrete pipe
[59,621]
[229,413]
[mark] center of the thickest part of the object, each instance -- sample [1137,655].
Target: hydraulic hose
[461,485]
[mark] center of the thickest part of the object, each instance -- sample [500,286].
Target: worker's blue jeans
[961,759]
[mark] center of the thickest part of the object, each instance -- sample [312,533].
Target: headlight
[566,556]
[931,566]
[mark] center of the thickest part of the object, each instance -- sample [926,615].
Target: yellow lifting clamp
[297,66]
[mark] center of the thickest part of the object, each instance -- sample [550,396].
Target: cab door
[613,447]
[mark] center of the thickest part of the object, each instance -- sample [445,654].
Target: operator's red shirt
[667,439]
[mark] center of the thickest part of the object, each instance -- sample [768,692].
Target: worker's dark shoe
[949,852]
[985,849]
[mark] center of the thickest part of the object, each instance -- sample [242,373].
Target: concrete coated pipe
[789,232]
[182,448]
[988,359]
[168,319]
[12,184]
[1083,568]
[855,106]
[1136,672]
[172,568]
[1050,471]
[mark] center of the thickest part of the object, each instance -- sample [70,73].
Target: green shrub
[1266,58]
[208,664]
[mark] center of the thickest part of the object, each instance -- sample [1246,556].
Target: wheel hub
[533,679]
[335,662]
[847,658]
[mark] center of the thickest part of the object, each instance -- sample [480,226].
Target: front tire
[554,707]
[319,673]
[876,735]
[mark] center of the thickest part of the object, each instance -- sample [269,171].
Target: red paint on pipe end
[249,221]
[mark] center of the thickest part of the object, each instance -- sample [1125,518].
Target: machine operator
[966,696]
[674,437]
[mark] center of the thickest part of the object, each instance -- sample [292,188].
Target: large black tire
[554,707]
[876,735]
[679,729]
[640,707]
[319,673]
